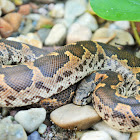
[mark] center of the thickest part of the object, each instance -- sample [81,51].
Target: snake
[107,75]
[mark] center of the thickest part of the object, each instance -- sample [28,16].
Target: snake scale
[51,78]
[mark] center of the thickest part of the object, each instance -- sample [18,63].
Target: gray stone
[71,116]
[116,135]
[57,11]
[34,136]
[124,25]
[73,9]
[57,35]
[43,33]
[42,128]
[96,135]
[31,119]
[78,32]
[9,131]
[7,6]
[88,20]
[33,16]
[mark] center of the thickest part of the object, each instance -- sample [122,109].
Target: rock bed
[55,23]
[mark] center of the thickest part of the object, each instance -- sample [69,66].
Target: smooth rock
[42,128]
[57,35]
[78,32]
[0,12]
[30,38]
[43,11]
[44,21]
[18,2]
[9,131]
[124,25]
[116,135]
[89,21]
[33,16]
[95,135]
[123,38]
[73,9]
[29,27]
[25,9]
[43,33]
[57,11]
[31,119]
[135,136]
[103,35]
[7,6]
[14,19]
[71,116]
[6,29]
[80,133]
[138,54]
[34,136]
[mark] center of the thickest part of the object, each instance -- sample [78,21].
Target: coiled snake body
[52,78]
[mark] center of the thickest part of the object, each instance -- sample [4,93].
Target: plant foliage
[117,9]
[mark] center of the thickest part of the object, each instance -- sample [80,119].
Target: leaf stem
[136,35]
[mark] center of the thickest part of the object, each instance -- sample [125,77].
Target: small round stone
[31,119]
[71,116]
[42,128]
[95,135]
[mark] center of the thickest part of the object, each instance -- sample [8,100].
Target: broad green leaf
[117,9]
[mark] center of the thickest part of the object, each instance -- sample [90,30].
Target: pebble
[5,111]
[34,136]
[42,11]
[7,6]
[31,119]
[73,9]
[28,27]
[96,135]
[33,16]
[123,38]
[71,116]
[42,128]
[6,29]
[18,2]
[9,131]
[116,135]
[25,9]
[78,32]
[135,136]
[103,35]
[57,11]
[43,33]
[57,35]
[124,25]
[0,12]
[14,19]
[138,54]
[30,38]
[44,21]
[89,21]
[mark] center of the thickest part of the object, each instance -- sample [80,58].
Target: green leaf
[117,9]
[47,26]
